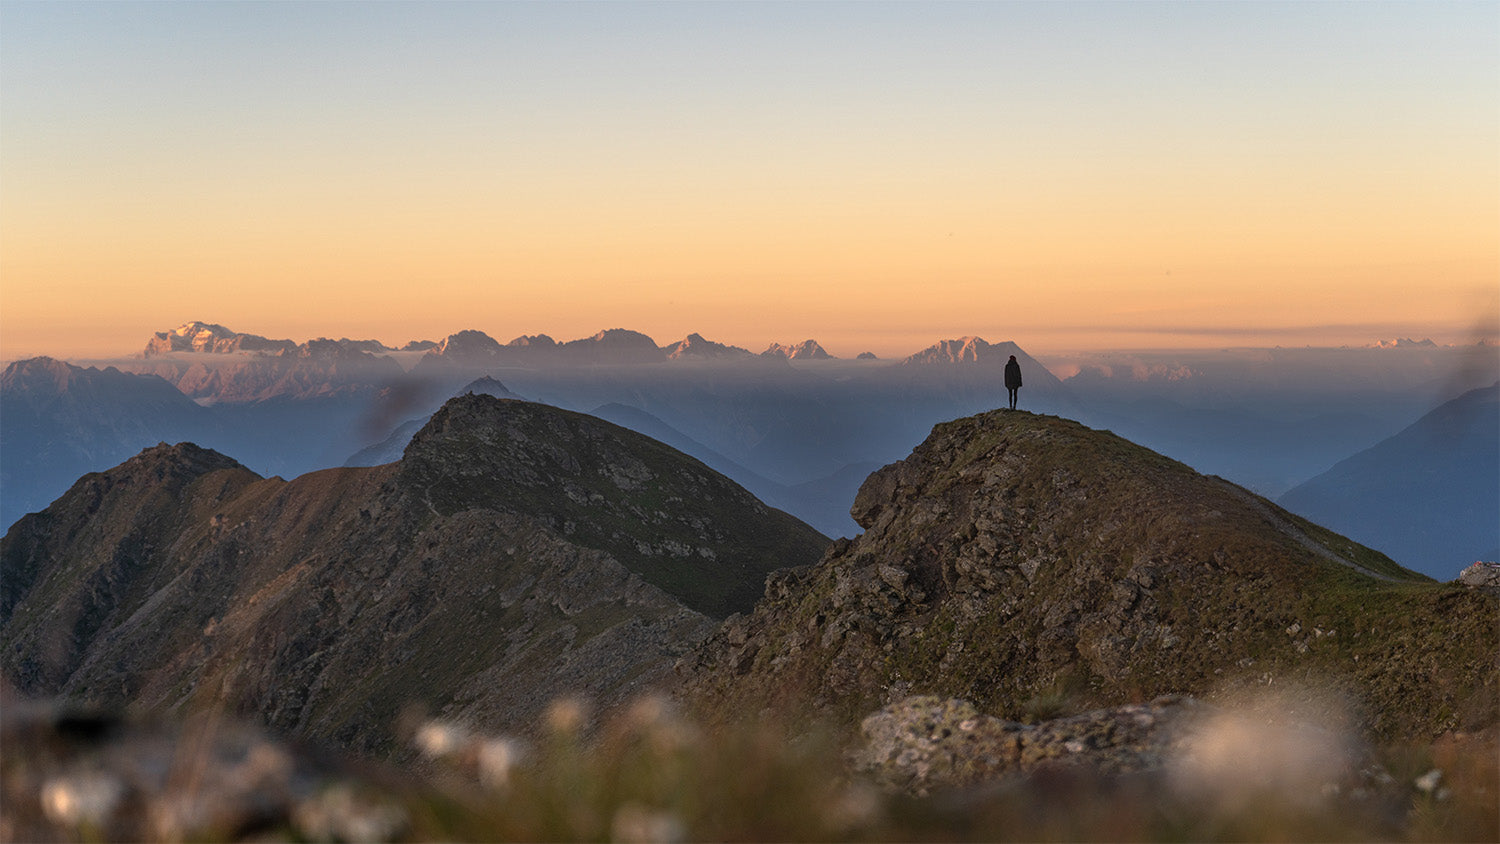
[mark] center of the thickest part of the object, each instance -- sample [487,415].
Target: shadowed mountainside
[1015,558]
[59,421]
[517,553]
[1429,496]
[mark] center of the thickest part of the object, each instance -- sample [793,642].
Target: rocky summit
[516,554]
[1027,563]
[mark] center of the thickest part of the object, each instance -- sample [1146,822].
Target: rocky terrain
[1016,560]
[515,554]
[1044,632]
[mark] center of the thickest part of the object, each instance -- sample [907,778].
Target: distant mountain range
[59,421]
[800,424]
[610,346]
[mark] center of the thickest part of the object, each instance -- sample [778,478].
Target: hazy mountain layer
[58,421]
[1267,419]
[314,369]
[1428,496]
[516,553]
[1012,558]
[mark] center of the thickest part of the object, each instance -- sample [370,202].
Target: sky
[877,176]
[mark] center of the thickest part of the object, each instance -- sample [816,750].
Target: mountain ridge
[516,553]
[53,431]
[1013,555]
[1427,495]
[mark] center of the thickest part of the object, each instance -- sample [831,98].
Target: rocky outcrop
[516,553]
[1482,576]
[1012,555]
[926,742]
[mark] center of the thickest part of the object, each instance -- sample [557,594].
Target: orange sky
[1067,175]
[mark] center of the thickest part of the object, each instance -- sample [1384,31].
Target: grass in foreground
[651,775]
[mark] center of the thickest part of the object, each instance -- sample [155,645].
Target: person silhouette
[1012,380]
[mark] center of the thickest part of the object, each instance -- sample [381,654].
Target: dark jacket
[1012,375]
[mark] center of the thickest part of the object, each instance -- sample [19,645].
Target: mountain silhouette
[58,421]
[1428,496]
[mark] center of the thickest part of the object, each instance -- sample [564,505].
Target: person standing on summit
[1012,380]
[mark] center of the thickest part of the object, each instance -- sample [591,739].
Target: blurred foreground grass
[651,774]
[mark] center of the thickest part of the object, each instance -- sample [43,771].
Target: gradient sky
[874,175]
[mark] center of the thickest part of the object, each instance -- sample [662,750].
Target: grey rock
[925,742]
[1482,576]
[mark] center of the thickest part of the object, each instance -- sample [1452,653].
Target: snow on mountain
[694,346]
[533,341]
[467,345]
[210,337]
[962,350]
[806,350]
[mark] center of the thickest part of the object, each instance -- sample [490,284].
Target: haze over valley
[794,425]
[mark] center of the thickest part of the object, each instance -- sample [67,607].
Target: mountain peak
[45,369]
[967,350]
[211,337]
[515,554]
[44,376]
[185,458]
[1011,553]
[468,343]
[533,341]
[485,385]
[695,346]
[479,451]
[806,350]
[620,336]
[614,346]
